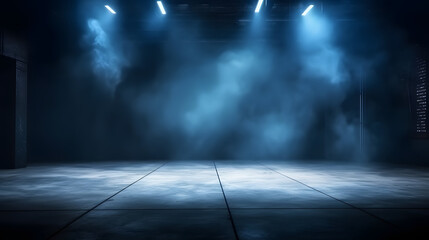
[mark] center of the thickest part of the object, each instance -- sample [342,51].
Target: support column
[13,102]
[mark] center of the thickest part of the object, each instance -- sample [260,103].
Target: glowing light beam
[161,7]
[307,10]
[258,7]
[110,9]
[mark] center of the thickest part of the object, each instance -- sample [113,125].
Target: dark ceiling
[218,14]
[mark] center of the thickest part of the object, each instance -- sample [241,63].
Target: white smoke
[107,61]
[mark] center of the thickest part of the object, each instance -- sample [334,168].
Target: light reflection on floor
[184,200]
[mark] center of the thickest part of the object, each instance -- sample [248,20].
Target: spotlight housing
[110,9]
[258,6]
[307,10]
[161,7]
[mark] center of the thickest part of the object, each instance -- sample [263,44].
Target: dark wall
[105,88]
[76,116]
[13,113]
[7,119]
[13,46]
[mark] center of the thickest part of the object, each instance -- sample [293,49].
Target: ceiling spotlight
[110,9]
[307,10]
[161,7]
[258,7]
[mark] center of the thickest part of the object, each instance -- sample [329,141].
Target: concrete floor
[203,200]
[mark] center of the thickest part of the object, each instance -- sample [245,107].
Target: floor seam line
[99,204]
[339,200]
[226,202]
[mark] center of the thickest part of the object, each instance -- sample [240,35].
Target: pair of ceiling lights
[259,5]
[258,8]
[160,5]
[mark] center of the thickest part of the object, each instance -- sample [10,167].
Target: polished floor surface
[214,200]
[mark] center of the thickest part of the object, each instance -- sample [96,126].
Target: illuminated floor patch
[184,200]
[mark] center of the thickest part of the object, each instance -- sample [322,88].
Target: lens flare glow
[307,10]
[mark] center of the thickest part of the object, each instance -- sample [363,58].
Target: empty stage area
[213,200]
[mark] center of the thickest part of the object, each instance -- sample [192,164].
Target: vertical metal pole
[361,114]
[1,42]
